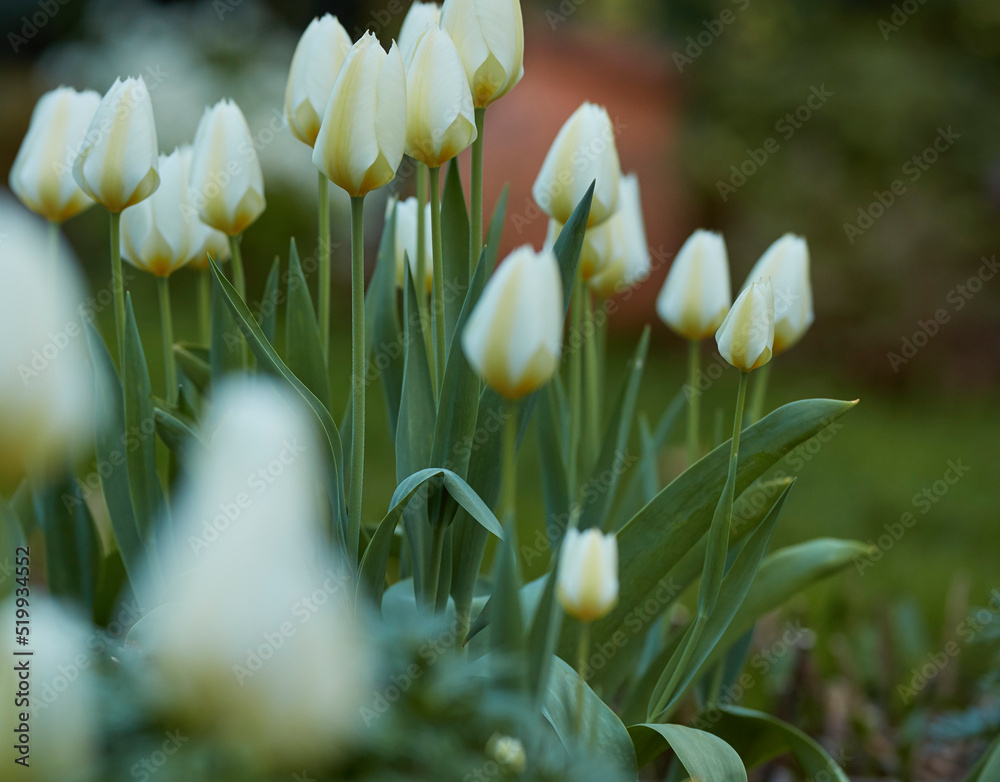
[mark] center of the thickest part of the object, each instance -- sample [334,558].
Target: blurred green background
[851,94]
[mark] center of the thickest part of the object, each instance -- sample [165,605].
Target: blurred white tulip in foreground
[489,35]
[696,295]
[746,336]
[318,56]
[42,174]
[588,574]
[786,264]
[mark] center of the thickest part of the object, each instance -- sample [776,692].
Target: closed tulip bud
[360,143]
[746,336]
[584,151]
[42,174]
[157,234]
[489,35]
[46,405]
[417,19]
[227,185]
[513,338]
[696,295]
[440,118]
[786,263]
[628,254]
[588,574]
[320,53]
[117,162]
[406,241]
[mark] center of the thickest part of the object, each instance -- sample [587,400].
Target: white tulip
[227,185]
[63,703]
[318,56]
[417,19]
[406,241]
[583,151]
[746,336]
[117,161]
[46,404]
[587,585]
[207,242]
[696,295]
[786,264]
[513,338]
[594,252]
[42,174]
[489,35]
[254,638]
[157,234]
[360,143]
[440,117]
[628,259]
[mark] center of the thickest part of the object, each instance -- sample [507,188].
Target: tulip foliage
[280,622]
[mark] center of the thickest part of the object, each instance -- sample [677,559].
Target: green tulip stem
[759,393]
[357,374]
[420,280]
[118,283]
[324,263]
[575,383]
[592,400]
[694,400]
[167,330]
[583,655]
[205,304]
[476,232]
[509,476]
[240,283]
[439,338]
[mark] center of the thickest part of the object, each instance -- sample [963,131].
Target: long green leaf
[454,250]
[267,313]
[386,338]
[303,346]
[195,362]
[415,431]
[703,755]
[225,341]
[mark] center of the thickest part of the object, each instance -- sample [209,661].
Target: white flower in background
[583,152]
[786,264]
[227,185]
[417,19]
[508,752]
[440,117]
[320,53]
[489,35]
[64,708]
[254,640]
[594,252]
[513,337]
[587,585]
[46,400]
[406,241]
[696,294]
[207,241]
[746,336]
[360,143]
[42,174]
[157,235]
[117,162]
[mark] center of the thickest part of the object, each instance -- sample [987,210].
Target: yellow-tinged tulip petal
[360,143]
[227,185]
[318,56]
[583,152]
[696,295]
[587,584]
[513,338]
[489,35]
[440,117]
[415,22]
[42,174]
[786,263]
[746,336]
[117,161]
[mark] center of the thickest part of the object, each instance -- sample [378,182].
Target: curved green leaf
[703,755]
[194,361]
[267,313]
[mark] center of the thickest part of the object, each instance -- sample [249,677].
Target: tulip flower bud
[584,151]
[746,336]
[42,174]
[157,234]
[46,405]
[360,143]
[696,295]
[508,752]
[227,185]
[440,118]
[117,162]
[513,338]
[588,574]
[207,242]
[489,35]
[417,19]
[318,56]
[786,263]
[406,241]
[628,254]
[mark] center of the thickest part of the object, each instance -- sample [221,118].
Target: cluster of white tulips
[253,541]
